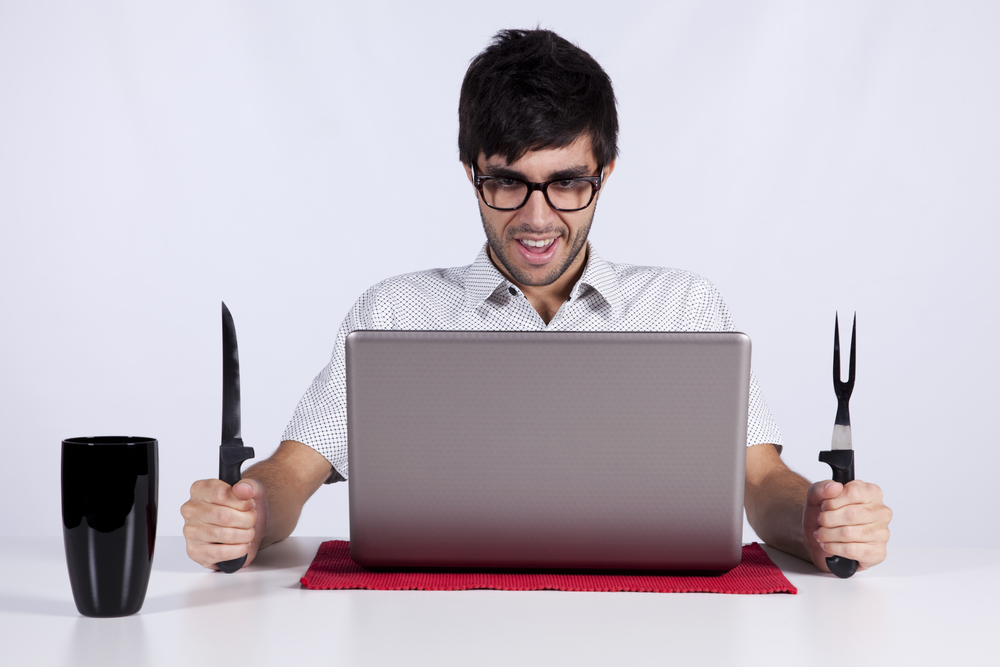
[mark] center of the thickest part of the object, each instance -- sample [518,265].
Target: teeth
[537,244]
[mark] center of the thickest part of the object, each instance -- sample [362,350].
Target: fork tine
[850,376]
[836,354]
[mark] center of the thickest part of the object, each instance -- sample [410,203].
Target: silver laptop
[547,449]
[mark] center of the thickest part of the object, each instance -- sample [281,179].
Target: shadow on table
[38,606]
[203,597]
[790,564]
[294,554]
[297,552]
[924,561]
[153,605]
[908,563]
[168,558]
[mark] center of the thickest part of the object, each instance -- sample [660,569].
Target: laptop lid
[547,449]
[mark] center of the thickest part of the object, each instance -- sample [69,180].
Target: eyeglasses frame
[595,184]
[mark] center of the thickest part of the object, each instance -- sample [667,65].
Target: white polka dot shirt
[608,297]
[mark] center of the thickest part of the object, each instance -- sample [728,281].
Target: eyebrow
[576,171]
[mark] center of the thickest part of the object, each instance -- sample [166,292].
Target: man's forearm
[775,499]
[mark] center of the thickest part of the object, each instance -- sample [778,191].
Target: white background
[805,157]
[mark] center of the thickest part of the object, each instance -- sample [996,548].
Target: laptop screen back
[547,449]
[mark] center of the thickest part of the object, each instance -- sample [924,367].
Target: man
[538,137]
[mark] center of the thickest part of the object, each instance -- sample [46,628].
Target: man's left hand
[846,520]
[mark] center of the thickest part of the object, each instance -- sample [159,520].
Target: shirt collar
[600,276]
[482,280]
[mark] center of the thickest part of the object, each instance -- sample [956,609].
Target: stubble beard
[497,249]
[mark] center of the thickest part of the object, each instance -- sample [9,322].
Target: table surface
[922,606]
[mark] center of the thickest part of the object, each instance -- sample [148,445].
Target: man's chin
[535,275]
[527,274]
[538,275]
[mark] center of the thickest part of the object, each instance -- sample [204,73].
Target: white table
[922,606]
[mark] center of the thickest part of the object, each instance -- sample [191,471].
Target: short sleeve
[320,418]
[710,313]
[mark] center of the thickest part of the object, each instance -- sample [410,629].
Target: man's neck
[547,299]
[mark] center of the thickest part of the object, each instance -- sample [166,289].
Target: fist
[848,520]
[223,522]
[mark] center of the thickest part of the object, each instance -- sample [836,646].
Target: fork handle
[842,463]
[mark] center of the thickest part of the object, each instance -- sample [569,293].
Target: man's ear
[608,168]
[468,174]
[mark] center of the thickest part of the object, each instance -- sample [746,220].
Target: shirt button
[513,292]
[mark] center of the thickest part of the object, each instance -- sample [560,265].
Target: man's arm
[814,521]
[223,522]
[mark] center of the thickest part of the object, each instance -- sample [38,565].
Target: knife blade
[840,457]
[232,452]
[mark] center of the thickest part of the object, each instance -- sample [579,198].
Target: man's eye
[570,184]
[506,182]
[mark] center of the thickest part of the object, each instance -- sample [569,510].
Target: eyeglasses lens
[570,194]
[504,192]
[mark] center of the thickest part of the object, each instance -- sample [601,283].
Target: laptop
[547,450]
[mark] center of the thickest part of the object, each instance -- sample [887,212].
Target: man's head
[536,108]
[532,89]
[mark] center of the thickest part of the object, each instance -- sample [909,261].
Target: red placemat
[332,568]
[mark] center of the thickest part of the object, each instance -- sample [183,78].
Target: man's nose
[537,212]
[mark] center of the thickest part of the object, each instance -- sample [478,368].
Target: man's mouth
[538,251]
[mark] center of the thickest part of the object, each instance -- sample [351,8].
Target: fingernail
[253,504]
[816,534]
[828,485]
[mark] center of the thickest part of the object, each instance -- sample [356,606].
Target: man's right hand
[223,522]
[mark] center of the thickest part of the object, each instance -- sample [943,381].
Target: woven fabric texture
[332,568]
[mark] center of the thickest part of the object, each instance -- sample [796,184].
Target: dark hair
[531,90]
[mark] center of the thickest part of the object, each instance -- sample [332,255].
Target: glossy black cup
[109,494]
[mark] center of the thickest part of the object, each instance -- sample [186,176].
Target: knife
[232,453]
[840,457]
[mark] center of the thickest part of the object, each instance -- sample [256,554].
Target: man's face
[537,244]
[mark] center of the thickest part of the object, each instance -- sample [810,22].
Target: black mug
[109,494]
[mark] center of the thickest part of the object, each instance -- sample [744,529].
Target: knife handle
[230,566]
[230,461]
[841,461]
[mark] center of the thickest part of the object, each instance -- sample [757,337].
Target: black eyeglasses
[504,193]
